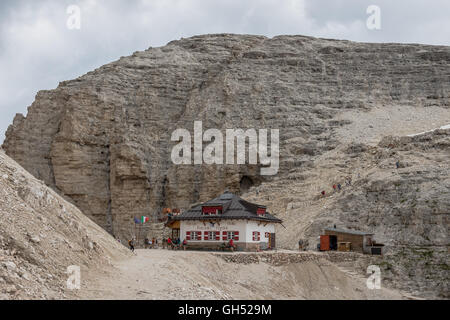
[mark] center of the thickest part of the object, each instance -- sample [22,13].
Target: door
[333,243]
[272,241]
[175,233]
[324,243]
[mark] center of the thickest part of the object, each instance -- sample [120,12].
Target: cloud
[37,50]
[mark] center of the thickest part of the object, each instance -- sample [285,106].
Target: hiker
[339,186]
[184,244]
[323,193]
[397,164]
[150,243]
[300,245]
[174,244]
[334,187]
[169,243]
[164,243]
[231,244]
[153,243]
[348,181]
[131,244]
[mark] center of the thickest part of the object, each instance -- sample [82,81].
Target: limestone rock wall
[103,139]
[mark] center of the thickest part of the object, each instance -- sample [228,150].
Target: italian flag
[144,219]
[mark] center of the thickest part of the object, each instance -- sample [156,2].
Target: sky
[41,44]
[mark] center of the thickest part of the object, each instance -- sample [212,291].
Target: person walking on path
[131,244]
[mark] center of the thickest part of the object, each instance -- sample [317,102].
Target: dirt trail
[163,274]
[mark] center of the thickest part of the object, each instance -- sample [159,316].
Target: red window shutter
[236,235]
[206,235]
[217,235]
[199,235]
[259,236]
[225,235]
[188,235]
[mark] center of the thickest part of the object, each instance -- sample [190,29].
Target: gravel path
[163,274]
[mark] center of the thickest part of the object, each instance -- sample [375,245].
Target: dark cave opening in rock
[245,184]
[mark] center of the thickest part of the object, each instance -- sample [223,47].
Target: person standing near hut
[231,245]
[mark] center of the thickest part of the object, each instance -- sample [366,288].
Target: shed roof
[360,233]
[233,207]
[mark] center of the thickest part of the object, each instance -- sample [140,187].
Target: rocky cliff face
[104,140]
[407,208]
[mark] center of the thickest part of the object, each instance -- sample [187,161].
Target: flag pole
[139,231]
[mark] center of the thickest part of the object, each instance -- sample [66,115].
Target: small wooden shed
[359,241]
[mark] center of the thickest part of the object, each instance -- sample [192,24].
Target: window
[211,235]
[267,235]
[261,211]
[256,236]
[211,210]
[228,235]
[194,235]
